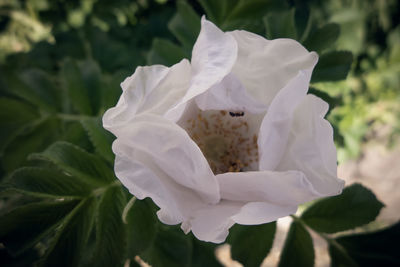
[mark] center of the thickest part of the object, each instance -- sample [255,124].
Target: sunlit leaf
[356,206]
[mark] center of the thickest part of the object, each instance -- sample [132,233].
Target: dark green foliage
[377,248]
[26,225]
[322,38]
[356,206]
[298,249]
[251,244]
[171,248]
[332,66]
[110,230]
[141,227]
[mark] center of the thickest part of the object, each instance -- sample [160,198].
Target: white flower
[230,137]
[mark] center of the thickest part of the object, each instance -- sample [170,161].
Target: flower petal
[154,89]
[310,147]
[213,57]
[289,188]
[275,127]
[229,94]
[265,66]
[170,149]
[212,223]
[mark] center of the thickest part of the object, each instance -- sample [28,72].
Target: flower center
[225,138]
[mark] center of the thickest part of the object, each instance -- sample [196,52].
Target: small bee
[236,114]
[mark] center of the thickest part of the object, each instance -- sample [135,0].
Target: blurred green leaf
[141,227]
[101,139]
[302,21]
[76,87]
[78,162]
[34,86]
[185,25]
[322,38]
[377,248]
[67,246]
[251,244]
[217,10]
[14,115]
[280,25]
[356,206]
[112,89]
[165,52]
[171,248]
[204,254]
[46,182]
[298,249]
[36,137]
[110,231]
[91,76]
[332,66]
[24,226]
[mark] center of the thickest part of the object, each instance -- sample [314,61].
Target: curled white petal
[154,89]
[173,152]
[213,57]
[288,188]
[310,147]
[265,66]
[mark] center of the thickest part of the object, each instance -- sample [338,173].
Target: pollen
[226,141]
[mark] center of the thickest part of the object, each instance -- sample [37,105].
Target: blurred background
[47,44]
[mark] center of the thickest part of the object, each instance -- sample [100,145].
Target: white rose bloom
[230,137]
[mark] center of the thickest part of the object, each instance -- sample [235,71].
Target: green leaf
[185,25]
[24,226]
[298,249]
[78,162]
[165,52]
[76,87]
[217,10]
[141,227]
[66,248]
[91,76]
[171,248]
[35,138]
[379,248]
[204,254]
[35,87]
[245,9]
[280,25]
[25,259]
[110,231]
[14,115]
[43,182]
[302,20]
[100,138]
[332,66]
[356,206]
[111,88]
[322,38]
[251,244]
